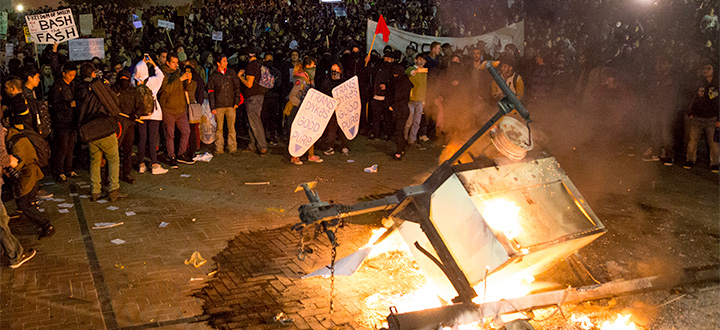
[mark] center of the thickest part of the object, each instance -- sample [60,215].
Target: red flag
[383,29]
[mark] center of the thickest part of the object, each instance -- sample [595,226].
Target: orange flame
[621,323]
[503,216]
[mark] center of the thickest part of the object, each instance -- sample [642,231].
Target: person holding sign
[336,74]
[304,74]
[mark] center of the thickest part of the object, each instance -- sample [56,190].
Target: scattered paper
[163,224]
[49,183]
[372,169]
[196,279]
[41,209]
[66,205]
[59,200]
[63,210]
[100,225]
[112,208]
[196,260]
[256,183]
[206,157]
[118,241]
[49,197]
[84,196]
[184,175]
[350,161]
[81,182]
[129,213]
[101,201]
[85,186]
[73,194]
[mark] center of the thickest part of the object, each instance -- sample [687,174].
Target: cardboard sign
[166,24]
[54,27]
[26,31]
[349,109]
[3,23]
[183,10]
[340,12]
[9,52]
[86,49]
[98,33]
[137,24]
[86,24]
[310,121]
[155,19]
[217,35]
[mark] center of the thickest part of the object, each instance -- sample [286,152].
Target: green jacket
[172,93]
[30,172]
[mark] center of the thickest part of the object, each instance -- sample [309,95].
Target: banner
[349,107]
[310,121]
[399,39]
[3,23]
[54,27]
[86,49]
[86,24]
[166,24]
[217,35]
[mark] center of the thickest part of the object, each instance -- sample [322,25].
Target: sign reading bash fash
[54,27]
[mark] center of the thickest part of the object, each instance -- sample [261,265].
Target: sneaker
[61,178]
[688,165]
[73,174]
[667,161]
[25,257]
[315,159]
[158,169]
[423,138]
[47,232]
[185,159]
[399,156]
[346,152]
[329,152]
[142,168]
[714,169]
[173,163]
[650,158]
[43,194]
[296,160]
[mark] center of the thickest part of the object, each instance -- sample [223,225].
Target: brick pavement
[213,211]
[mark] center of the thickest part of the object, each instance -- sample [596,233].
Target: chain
[332,278]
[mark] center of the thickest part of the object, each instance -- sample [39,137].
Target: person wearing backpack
[149,129]
[17,113]
[64,114]
[131,104]
[25,186]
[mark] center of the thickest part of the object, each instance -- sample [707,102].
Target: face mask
[335,75]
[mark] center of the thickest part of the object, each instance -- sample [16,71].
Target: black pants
[27,204]
[272,116]
[401,113]
[333,130]
[127,139]
[63,144]
[381,118]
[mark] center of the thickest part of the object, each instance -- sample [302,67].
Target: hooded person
[149,129]
[131,105]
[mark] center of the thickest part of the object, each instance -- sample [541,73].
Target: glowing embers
[621,322]
[502,216]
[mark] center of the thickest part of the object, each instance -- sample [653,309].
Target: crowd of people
[136,109]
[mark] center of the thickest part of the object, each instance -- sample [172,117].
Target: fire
[506,289]
[503,216]
[621,323]
[584,321]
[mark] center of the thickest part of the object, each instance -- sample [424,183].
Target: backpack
[42,147]
[40,117]
[148,99]
[267,79]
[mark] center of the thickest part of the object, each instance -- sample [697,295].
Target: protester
[254,97]
[224,95]
[703,118]
[149,128]
[131,105]
[333,129]
[174,105]
[64,114]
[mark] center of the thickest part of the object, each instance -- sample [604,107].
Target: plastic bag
[208,125]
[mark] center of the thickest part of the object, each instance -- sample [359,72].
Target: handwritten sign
[3,23]
[349,108]
[53,27]
[310,121]
[166,24]
[217,35]
[86,24]
[26,32]
[137,24]
[9,51]
[86,49]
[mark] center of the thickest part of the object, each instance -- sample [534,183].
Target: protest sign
[53,27]
[217,35]
[183,10]
[349,108]
[3,23]
[137,24]
[86,49]
[155,19]
[98,33]
[9,52]
[166,24]
[139,12]
[86,24]
[340,12]
[26,31]
[310,121]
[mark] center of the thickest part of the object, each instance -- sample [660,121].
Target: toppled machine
[496,209]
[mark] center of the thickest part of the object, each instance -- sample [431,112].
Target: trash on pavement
[66,205]
[101,225]
[184,175]
[350,161]
[206,157]
[63,210]
[282,318]
[196,260]
[372,169]
[112,208]
[101,201]
[257,183]
[129,213]
[163,224]
[118,241]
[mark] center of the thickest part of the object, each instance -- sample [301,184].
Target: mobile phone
[147,57]
[188,70]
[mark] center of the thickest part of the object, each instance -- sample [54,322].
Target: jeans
[412,125]
[28,205]
[170,121]
[126,145]
[221,115]
[8,241]
[696,127]
[148,131]
[107,146]
[62,154]
[254,105]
